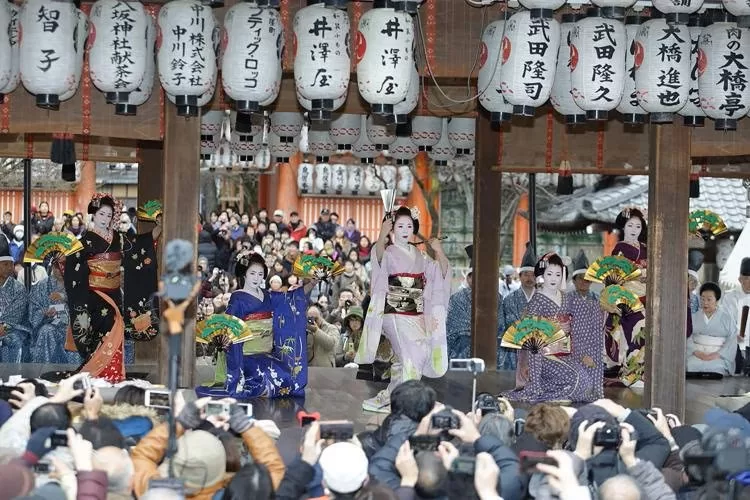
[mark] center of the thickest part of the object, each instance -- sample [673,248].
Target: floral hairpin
[415,213]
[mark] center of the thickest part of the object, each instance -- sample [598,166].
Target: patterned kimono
[49,318]
[626,336]
[458,324]
[717,334]
[101,315]
[577,376]
[14,303]
[409,294]
[280,372]
[513,308]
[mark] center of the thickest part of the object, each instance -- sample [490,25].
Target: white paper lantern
[461,134]
[560,97]
[405,180]
[321,57]
[373,183]
[384,58]
[10,74]
[362,147]
[597,64]
[488,80]
[345,130]
[677,12]
[426,131]
[286,125]
[355,180]
[282,148]
[724,58]
[322,177]
[529,54]
[211,123]
[245,146]
[403,150]
[381,135]
[142,94]
[401,110]
[629,109]
[339,173]
[80,47]
[443,151]
[117,47]
[203,99]
[691,111]
[389,174]
[662,69]
[542,8]
[305,178]
[186,54]
[48,53]
[320,144]
[740,9]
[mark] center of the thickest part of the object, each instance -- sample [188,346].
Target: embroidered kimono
[102,315]
[625,337]
[14,303]
[49,318]
[513,308]
[458,324]
[717,334]
[259,368]
[409,295]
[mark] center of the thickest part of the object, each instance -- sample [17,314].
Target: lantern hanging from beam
[405,180]
[723,60]
[345,130]
[461,134]
[82,35]
[211,123]
[693,115]
[443,151]
[597,64]
[339,173]
[403,150]
[305,178]
[662,69]
[48,51]
[426,131]
[320,143]
[321,116]
[321,57]
[186,53]
[384,57]
[205,98]
[142,94]
[287,125]
[529,52]
[282,148]
[380,134]
[363,148]
[245,148]
[740,9]
[388,174]
[560,96]
[488,80]
[355,180]
[117,47]
[322,182]
[401,110]
[677,12]
[10,74]
[630,110]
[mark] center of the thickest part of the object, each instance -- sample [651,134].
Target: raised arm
[385,230]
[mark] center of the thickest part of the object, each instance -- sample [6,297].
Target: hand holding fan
[612,270]
[706,224]
[222,330]
[149,211]
[533,333]
[616,299]
[52,243]
[316,268]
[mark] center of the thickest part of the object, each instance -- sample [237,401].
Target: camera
[42,468]
[473,365]
[6,392]
[347,304]
[158,399]
[530,459]
[486,403]
[311,321]
[337,430]
[217,409]
[424,443]
[59,439]
[464,465]
[445,419]
[608,436]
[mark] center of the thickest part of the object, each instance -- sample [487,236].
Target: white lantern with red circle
[488,80]
[693,115]
[345,130]
[80,47]
[142,94]
[381,135]
[305,173]
[186,57]
[723,61]
[10,74]
[339,173]
[48,55]
[461,134]
[560,97]
[630,110]
[597,64]
[117,47]
[677,12]
[529,53]
[443,151]
[321,57]
[662,69]
[385,57]
[401,110]
[426,131]
[355,179]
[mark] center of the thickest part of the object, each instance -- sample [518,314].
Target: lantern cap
[247,106]
[187,105]
[48,101]
[497,117]
[678,17]
[524,110]
[274,4]
[117,97]
[400,119]
[633,118]
[409,6]
[463,151]
[344,147]
[697,20]
[661,117]
[721,16]
[367,161]
[286,139]
[594,12]
[427,149]
[213,3]
[404,129]
[571,18]
[246,158]
[322,159]
[441,163]
[402,162]
[385,4]
[281,159]
[205,157]
[322,104]
[381,147]
[694,121]
[636,19]
[597,115]
[577,119]
[381,109]
[541,13]
[613,12]
[725,124]
[125,109]
[68,172]
[336,4]
[320,115]
[743,21]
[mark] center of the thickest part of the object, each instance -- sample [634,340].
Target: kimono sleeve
[38,305]
[76,278]
[140,311]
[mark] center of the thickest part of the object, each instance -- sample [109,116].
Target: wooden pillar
[668,207]
[286,189]
[487,189]
[180,200]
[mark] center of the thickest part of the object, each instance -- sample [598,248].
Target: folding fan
[149,211]
[706,224]
[616,299]
[319,268]
[50,244]
[533,333]
[222,330]
[612,270]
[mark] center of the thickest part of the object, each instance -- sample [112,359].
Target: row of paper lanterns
[587,66]
[352,180]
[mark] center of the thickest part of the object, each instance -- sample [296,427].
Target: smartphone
[424,443]
[247,407]
[42,468]
[84,383]
[217,409]
[306,419]
[530,459]
[59,439]
[464,465]
[158,398]
[337,430]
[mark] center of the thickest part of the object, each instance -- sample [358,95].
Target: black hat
[695,262]
[5,249]
[745,267]
[528,263]
[580,264]
[469,249]
[325,211]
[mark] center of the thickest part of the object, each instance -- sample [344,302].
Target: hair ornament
[415,213]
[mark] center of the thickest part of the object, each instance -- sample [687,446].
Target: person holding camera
[322,339]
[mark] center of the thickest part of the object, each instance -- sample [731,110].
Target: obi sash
[405,294]
[563,346]
[104,271]
[707,344]
[261,326]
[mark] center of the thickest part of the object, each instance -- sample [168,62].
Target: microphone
[179,278]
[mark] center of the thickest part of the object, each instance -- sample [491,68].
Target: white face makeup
[632,229]
[103,218]
[552,278]
[254,276]
[402,230]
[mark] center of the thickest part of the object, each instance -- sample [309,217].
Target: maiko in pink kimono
[409,299]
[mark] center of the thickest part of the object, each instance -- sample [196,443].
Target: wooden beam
[181,172]
[487,201]
[669,206]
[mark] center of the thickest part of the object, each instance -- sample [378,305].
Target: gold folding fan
[319,268]
[706,224]
[149,211]
[222,330]
[533,333]
[612,270]
[616,299]
[63,243]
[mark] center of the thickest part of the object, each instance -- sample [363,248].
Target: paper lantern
[401,110]
[384,58]
[186,54]
[597,64]
[80,47]
[282,148]
[461,132]
[187,108]
[740,9]
[48,50]
[142,93]
[245,147]
[560,97]
[443,151]
[373,183]
[380,134]
[321,57]
[10,74]
[339,173]
[488,80]
[408,6]
[677,12]
[542,8]
[363,148]
[320,116]
[389,174]
[273,4]
[211,123]
[355,180]
[405,180]
[529,53]
[630,110]
[723,60]
[614,9]
[305,178]
[286,125]
[403,150]
[426,131]
[320,144]
[117,47]
[345,130]
[693,115]
[322,183]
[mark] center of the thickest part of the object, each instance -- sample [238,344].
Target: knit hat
[200,460]
[17,480]
[344,467]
